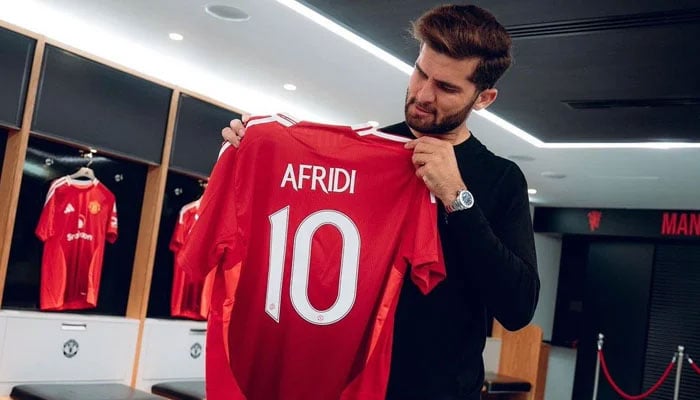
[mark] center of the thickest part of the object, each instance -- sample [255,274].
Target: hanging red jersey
[322,257]
[188,298]
[77,218]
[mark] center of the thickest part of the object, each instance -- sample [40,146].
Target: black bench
[495,383]
[92,391]
[180,390]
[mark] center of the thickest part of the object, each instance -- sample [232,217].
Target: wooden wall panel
[148,234]
[497,329]
[524,356]
[13,165]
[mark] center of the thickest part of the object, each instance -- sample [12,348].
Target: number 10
[301,260]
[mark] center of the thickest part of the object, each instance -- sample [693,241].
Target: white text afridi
[314,177]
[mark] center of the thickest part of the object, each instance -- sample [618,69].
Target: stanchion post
[596,379]
[679,368]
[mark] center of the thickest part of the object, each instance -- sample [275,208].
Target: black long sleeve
[491,270]
[506,251]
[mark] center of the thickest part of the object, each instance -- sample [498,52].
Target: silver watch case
[464,200]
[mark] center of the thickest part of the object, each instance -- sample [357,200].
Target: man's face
[440,95]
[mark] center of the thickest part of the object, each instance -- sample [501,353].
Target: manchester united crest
[94,207]
[594,218]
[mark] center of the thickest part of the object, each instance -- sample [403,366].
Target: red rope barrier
[626,396]
[695,366]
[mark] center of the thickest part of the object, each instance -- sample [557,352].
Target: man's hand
[436,164]
[235,131]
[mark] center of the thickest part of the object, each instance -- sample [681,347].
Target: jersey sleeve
[178,238]
[423,246]
[113,224]
[211,240]
[46,225]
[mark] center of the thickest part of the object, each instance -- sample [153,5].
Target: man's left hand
[436,164]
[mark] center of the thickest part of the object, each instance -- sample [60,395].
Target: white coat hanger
[85,172]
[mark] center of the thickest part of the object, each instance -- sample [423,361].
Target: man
[486,228]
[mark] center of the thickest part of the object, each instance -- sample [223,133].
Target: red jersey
[220,383]
[220,285]
[77,218]
[322,261]
[188,299]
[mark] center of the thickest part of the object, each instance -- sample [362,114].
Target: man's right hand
[235,130]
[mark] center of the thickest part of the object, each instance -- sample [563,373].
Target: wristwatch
[464,201]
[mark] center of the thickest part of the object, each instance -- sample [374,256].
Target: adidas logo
[69,209]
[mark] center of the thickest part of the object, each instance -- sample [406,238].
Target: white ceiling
[245,65]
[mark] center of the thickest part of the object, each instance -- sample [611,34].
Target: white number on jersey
[301,260]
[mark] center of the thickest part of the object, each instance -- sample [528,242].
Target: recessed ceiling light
[289,86]
[532,191]
[227,13]
[626,177]
[373,123]
[517,157]
[176,36]
[553,175]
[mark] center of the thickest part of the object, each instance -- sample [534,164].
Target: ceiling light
[176,37]
[290,86]
[373,123]
[540,144]
[348,35]
[639,145]
[626,177]
[532,191]
[516,157]
[553,175]
[227,13]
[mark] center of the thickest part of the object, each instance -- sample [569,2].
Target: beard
[435,125]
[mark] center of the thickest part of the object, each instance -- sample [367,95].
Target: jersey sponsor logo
[314,177]
[78,235]
[81,221]
[94,207]
[69,209]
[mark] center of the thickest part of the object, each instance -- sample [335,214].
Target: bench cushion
[94,391]
[180,390]
[495,383]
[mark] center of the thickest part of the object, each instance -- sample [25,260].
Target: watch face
[466,198]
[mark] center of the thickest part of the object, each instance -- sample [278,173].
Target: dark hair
[466,31]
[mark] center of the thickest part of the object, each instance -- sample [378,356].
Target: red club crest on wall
[594,220]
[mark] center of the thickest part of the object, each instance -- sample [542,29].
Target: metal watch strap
[456,204]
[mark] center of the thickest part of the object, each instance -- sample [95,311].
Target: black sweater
[491,270]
